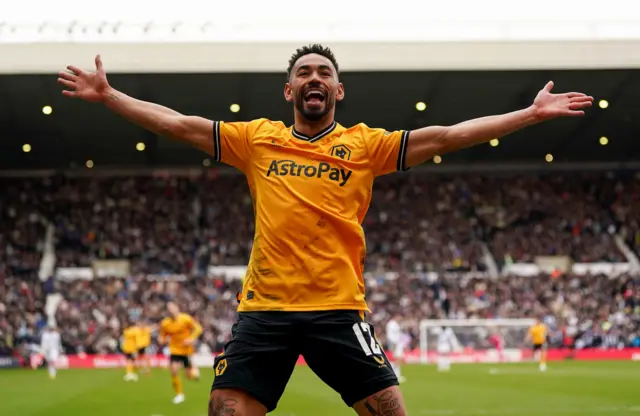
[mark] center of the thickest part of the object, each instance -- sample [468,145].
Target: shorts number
[360,329]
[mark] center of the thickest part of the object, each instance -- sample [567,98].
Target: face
[172,308]
[314,87]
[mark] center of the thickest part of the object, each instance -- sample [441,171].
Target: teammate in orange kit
[537,336]
[180,331]
[311,185]
[129,347]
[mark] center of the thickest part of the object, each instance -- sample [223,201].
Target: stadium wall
[470,356]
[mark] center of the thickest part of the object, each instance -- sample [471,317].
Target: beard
[314,113]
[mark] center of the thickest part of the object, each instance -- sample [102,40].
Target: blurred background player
[446,343]
[396,343]
[50,347]
[537,336]
[144,340]
[181,331]
[129,346]
[497,342]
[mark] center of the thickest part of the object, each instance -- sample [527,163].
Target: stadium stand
[418,224]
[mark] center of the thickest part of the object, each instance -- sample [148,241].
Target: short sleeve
[387,150]
[190,321]
[231,143]
[163,328]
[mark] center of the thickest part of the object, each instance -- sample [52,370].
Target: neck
[311,128]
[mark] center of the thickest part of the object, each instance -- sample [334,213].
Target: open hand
[570,104]
[88,86]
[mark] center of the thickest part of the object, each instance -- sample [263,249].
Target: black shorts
[539,347]
[183,359]
[338,346]
[142,351]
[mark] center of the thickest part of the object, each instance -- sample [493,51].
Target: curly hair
[306,50]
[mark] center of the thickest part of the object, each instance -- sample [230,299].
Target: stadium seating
[417,223]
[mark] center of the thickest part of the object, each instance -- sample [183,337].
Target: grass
[567,388]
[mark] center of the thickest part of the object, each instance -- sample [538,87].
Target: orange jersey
[178,330]
[130,338]
[538,334]
[310,195]
[145,337]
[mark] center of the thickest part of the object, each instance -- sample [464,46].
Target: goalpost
[476,340]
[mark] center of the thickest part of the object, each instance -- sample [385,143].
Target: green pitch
[568,388]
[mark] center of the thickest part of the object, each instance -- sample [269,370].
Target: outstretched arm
[94,87]
[424,143]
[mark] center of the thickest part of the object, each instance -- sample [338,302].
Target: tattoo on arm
[113,97]
[222,407]
[385,404]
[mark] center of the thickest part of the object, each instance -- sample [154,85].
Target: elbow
[450,140]
[419,151]
[173,127]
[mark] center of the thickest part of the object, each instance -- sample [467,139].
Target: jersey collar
[315,138]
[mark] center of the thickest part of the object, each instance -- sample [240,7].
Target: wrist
[534,115]
[108,95]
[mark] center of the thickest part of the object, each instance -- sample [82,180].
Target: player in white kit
[396,340]
[446,343]
[50,347]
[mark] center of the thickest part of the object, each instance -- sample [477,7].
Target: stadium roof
[75,132]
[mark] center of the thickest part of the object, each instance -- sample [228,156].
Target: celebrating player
[50,347]
[129,347]
[311,182]
[537,336]
[181,331]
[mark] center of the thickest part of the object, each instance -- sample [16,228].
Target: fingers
[71,94]
[574,113]
[549,86]
[74,69]
[575,94]
[580,103]
[67,75]
[67,83]
[98,63]
[580,99]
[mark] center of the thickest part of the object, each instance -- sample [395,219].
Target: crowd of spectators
[586,308]
[417,222]
[92,313]
[22,227]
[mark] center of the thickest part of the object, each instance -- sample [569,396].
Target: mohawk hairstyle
[307,50]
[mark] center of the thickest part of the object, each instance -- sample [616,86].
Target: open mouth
[314,96]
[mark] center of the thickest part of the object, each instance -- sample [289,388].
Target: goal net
[476,340]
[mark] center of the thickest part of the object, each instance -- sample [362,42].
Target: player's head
[312,82]
[173,308]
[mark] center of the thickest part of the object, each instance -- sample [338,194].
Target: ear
[340,93]
[288,93]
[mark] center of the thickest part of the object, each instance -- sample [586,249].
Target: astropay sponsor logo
[321,171]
